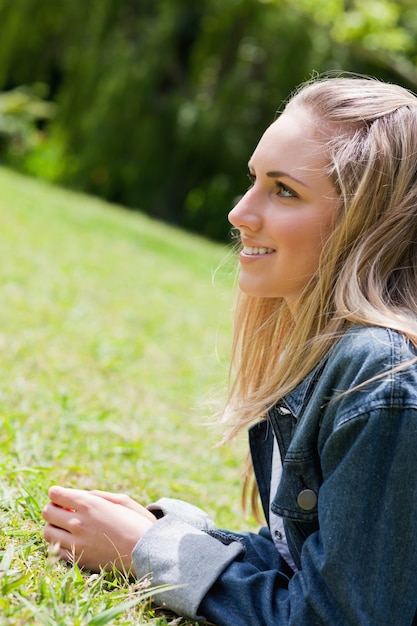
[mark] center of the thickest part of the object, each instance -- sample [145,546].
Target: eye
[252,179]
[284,191]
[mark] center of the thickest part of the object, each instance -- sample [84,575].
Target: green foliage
[21,109]
[378,36]
[113,332]
[160,103]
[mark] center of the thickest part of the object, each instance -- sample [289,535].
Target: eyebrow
[284,175]
[279,174]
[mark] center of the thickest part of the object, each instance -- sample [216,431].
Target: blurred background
[157,104]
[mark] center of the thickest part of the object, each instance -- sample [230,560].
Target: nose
[244,214]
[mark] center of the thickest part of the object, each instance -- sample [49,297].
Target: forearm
[173,552]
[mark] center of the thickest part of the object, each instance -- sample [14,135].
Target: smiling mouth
[256,251]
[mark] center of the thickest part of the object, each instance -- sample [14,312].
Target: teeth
[255,251]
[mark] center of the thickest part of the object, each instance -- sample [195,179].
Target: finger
[60,537]
[69,499]
[61,517]
[116,498]
[58,540]
[124,500]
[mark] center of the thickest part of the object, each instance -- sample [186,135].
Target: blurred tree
[22,112]
[381,34]
[161,101]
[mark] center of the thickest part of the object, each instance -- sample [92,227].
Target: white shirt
[276,523]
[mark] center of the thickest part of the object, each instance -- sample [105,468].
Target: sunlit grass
[114,332]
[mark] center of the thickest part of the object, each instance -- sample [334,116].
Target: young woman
[325,375]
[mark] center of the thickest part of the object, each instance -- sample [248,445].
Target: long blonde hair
[368,267]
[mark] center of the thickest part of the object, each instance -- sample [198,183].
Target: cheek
[299,234]
[304,240]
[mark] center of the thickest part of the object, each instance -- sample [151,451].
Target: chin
[257,292]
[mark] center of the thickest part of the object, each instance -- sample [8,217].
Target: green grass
[114,332]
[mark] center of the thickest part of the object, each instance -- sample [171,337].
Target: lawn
[114,337]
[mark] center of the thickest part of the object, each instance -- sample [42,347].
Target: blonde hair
[368,267]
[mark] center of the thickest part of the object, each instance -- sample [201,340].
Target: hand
[95,529]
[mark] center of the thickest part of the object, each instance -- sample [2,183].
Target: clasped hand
[95,529]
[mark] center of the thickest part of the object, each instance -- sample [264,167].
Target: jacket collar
[296,400]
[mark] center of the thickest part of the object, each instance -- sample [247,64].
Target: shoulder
[369,368]
[368,381]
[371,350]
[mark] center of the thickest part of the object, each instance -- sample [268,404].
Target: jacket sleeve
[182,511]
[177,553]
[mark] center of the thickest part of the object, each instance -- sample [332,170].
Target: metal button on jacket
[307,499]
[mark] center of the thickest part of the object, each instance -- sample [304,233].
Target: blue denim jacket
[348,496]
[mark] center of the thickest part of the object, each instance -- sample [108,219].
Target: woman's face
[288,212]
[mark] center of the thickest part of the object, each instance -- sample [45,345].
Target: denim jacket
[348,497]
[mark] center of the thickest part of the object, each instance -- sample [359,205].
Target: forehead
[292,140]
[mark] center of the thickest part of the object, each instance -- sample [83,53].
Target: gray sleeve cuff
[176,553]
[183,511]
